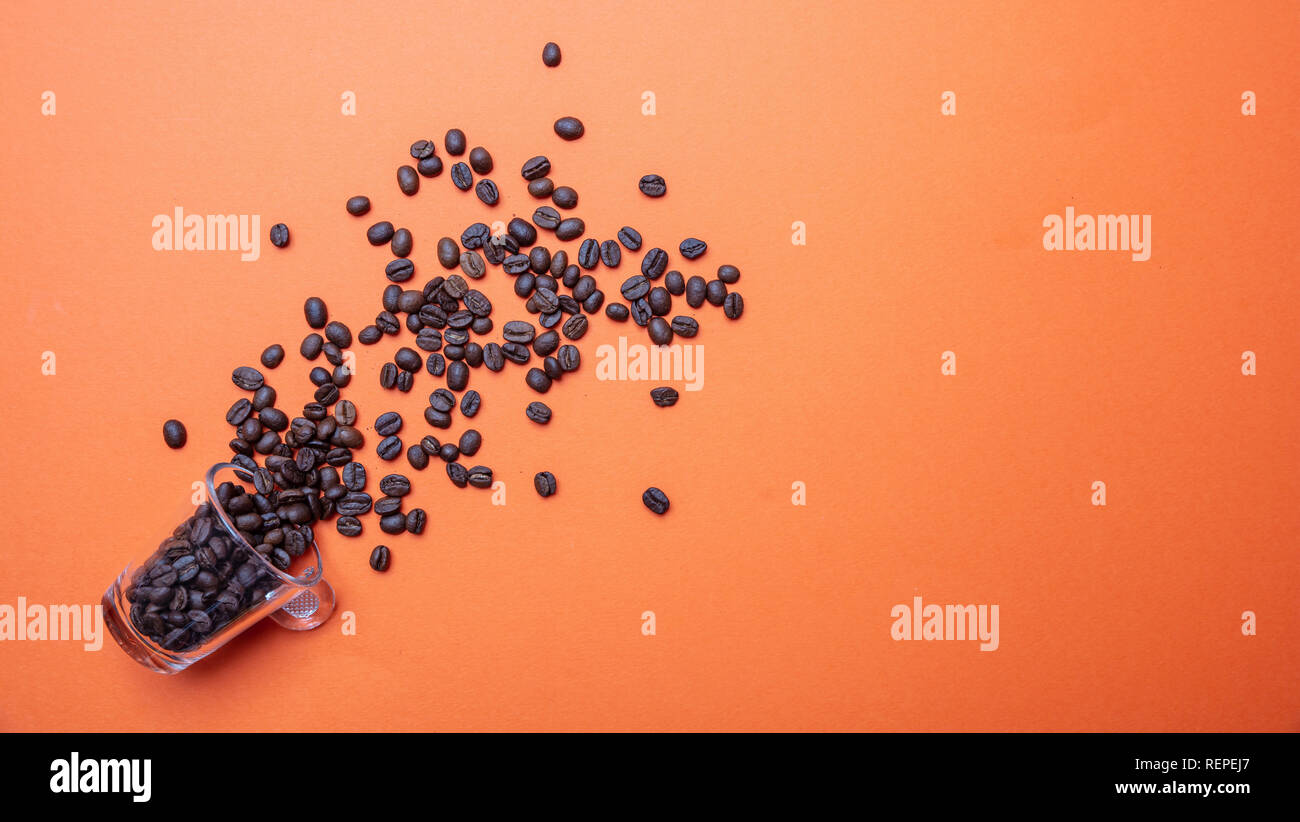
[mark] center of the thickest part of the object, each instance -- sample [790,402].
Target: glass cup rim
[306,581]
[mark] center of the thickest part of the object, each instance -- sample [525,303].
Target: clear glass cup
[205,585]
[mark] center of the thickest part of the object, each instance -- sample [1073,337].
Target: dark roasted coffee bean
[661,333]
[569,128]
[655,500]
[405,381]
[319,376]
[399,270]
[387,505]
[661,302]
[449,452]
[407,180]
[339,334]
[568,305]
[345,412]
[550,319]
[570,228]
[536,167]
[388,423]
[272,356]
[546,343]
[389,448]
[652,185]
[617,312]
[493,358]
[564,197]
[416,519]
[354,476]
[520,232]
[395,485]
[551,366]
[429,339]
[569,358]
[715,292]
[480,160]
[250,429]
[525,284]
[548,218]
[728,274]
[537,380]
[545,299]
[654,263]
[462,177]
[315,311]
[575,327]
[641,312]
[455,287]
[423,148]
[279,235]
[480,476]
[247,378]
[436,365]
[610,254]
[538,412]
[470,403]
[380,558]
[327,394]
[354,504]
[314,411]
[333,353]
[410,302]
[456,336]
[457,474]
[380,233]
[539,259]
[472,265]
[550,55]
[559,264]
[430,445]
[544,482]
[475,236]
[589,253]
[541,188]
[358,205]
[685,326]
[692,248]
[630,238]
[387,322]
[239,411]
[417,458]
[369,335]
[454,142]
[470,442]
[584,287]
[174,434]
[696,291]
[594,301]
[390,297]
[516,353]
[312,344]
[408,359]
[518,331]
[402,243]
[664,396]
[548,282]
[348,526]
[274,419]
[429,167]
[507,242]
[515,264]
[393,523]
[635,287]
[733,305]
[675,283]
[487,192]
[457,376]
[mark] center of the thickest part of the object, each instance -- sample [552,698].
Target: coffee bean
[174,434]
[395,485]
[661,302]
[480,160]
[480,476]
[315,311]
[402,243]
[493,358]
[470,403]
[564,197]
[685,326]
[570,229]
[462,177]
[354,476]
[274,419]
[537,380]
[472,264]
[354,504]
[470,442]
[696,291]
[487,192]
[454,142]
[675,283]
[247,378]
[369,335]
[388,423]
[616,312]
[630,238]
[430,445]
[716,292]
[551,55]
[547,218]
[347,437]
[516,353]
[390,297]
[475,236]
[319,376]
[408,359]
[380,233]
[239,411]
[345,412]
[436,365]
[641,312]
[339,334]
[569,128]
[407,180]
[333,354]
[449,452]
[429,339]
[576,327]
[544,482]
[664,396]
[327,394]
[389,448]
[569,358]
[416,519]
[733,305]
[279,235]
[358,205]
[521,232]
[589,253]
[515,264]
[380,558]
[541,188]
[610,254]
[263,397]
[538,412]
[652,185]
[539,259]
[272,356]
[728,274]
[692,248]
[348,526]
[457,474]
[661,333]
[552,369]
[399,270]
[546,343]
[635,287]
[429,167]
[654,263]
[536,168]
[387,323]
[655,500]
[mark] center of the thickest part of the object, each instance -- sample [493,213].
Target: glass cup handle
[308,609]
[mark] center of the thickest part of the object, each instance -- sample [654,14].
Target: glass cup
[205,584]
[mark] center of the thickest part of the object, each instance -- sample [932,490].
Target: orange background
[924,235]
